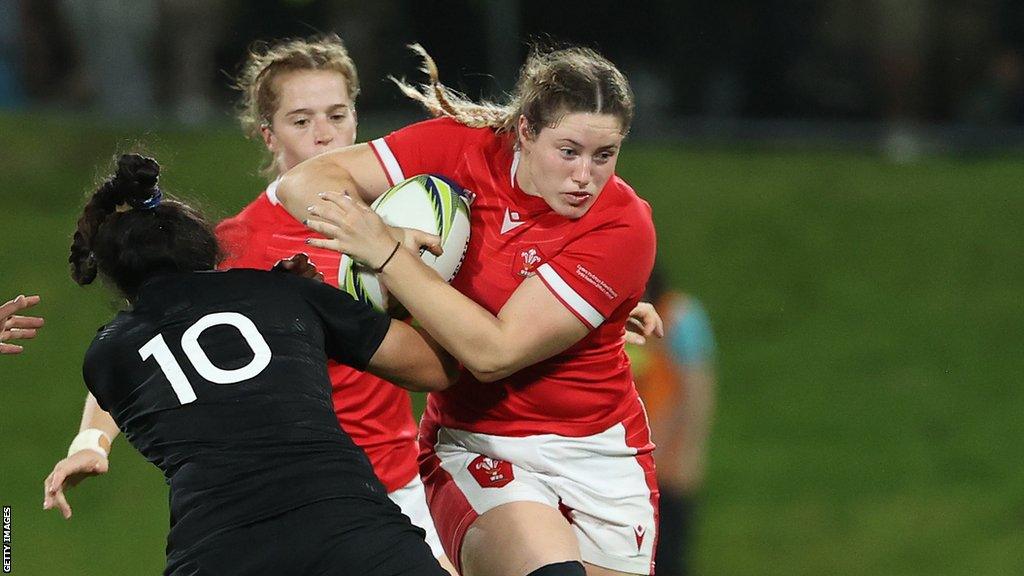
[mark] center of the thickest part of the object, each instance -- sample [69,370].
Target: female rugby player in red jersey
[539,460]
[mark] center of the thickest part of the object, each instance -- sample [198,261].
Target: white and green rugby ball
[429,203]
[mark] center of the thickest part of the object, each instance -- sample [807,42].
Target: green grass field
[870,322]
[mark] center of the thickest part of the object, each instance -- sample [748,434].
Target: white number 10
[157,348]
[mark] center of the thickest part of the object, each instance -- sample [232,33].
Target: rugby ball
[429,203]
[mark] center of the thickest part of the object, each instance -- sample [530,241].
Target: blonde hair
[551,83]
[266,62]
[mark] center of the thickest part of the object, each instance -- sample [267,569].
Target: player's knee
[560,569]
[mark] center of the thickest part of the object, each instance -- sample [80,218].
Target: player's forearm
[95,417]
[353,169]
[410,358]
[299,186]
[469,332]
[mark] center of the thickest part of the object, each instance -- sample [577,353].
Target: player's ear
[268,137]
[524,131]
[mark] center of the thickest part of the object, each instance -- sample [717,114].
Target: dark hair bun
[82,260]
[136,179]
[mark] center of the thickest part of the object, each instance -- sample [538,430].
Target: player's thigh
[515,539]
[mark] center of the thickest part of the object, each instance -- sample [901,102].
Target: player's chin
[573,206]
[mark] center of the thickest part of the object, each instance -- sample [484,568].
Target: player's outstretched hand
[300,265]
[67,474]
[644,321]
[13,327]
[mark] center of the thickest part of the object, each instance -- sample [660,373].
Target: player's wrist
[389,258]
[91,439]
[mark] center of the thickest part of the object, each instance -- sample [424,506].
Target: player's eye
[301,122]
[604,157]
[567,153]
[338,117]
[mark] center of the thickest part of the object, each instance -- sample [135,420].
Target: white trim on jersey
[570,296]
[272,192]
[515,165]
[388,161]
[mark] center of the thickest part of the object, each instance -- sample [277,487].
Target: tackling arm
[411,359]
[353,169]
[532,326]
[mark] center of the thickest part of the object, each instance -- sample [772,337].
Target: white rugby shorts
[603,484]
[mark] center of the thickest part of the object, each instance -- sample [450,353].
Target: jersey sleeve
[96,373]
[602,269]
[352,330]
[691,340]
[430,147]
[237,243]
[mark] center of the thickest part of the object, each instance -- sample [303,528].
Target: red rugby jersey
[376,414]
[597,266]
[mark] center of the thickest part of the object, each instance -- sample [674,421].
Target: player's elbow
[287,186]
[427,385]
[491,367]
[299,185]
[492,357]
[488,376]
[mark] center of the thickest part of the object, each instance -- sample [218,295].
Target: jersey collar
[525,202]
[515,165]
[272,191]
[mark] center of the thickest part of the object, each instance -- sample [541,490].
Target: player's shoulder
[623,195]
[166,292]
[445,131]
[620,204]
[108,332]
[280,286]
[261,209]
[110,338]
[248,280]
[447,123]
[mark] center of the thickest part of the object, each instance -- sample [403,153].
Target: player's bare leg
[517,538]
[447,565]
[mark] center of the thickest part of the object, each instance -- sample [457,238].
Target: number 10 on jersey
[157,349]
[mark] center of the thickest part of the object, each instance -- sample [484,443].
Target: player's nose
[581,173]
[323,132]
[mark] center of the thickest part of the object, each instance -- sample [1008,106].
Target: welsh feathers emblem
[491,473]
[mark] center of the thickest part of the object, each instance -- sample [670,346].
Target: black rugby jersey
[220,380]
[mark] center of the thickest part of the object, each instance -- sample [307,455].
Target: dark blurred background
[838,181]
[910,75]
